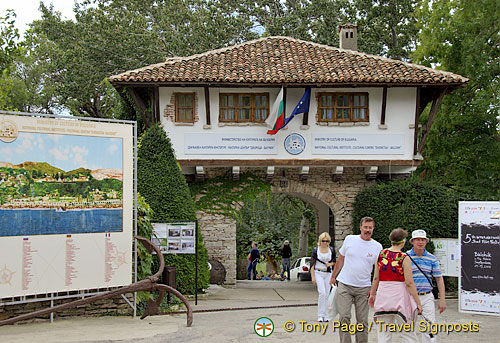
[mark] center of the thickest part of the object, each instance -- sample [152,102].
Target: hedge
[411,204]
[160,182]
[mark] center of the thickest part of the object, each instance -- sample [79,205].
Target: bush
[160,182]
[410,204]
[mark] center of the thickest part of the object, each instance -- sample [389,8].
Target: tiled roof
[285,60]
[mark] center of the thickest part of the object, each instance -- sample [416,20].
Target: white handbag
[332,303]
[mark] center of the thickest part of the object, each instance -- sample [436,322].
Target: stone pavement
[286,301]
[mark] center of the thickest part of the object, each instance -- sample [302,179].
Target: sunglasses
[325,241]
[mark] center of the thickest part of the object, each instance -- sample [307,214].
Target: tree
[9,52]
[160,182]
[259,222]
[463,148]
[387,27]
[85,52]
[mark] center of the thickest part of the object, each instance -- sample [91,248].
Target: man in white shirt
[356,259]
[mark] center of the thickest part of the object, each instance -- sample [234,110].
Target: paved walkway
[286,301]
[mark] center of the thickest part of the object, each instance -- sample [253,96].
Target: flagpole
[284,99]
[305,118]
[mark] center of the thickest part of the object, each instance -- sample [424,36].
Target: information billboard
[66,204]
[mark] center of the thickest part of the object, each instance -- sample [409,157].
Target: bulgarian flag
[277,118]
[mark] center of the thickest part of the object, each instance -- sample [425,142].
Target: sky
[65,152]
[27,10]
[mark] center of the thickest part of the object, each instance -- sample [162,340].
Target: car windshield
[307,260]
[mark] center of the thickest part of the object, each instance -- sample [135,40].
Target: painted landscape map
[60,184]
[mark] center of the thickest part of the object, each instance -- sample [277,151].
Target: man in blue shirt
[430,266]
[254,258]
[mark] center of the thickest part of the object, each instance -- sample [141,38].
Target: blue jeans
[252,269]
[285,262]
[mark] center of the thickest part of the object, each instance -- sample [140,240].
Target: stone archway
[219,231]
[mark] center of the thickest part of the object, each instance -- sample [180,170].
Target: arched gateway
[356,121]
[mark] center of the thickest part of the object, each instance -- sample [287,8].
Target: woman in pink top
[393,294]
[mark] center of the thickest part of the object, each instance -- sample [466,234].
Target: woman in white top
[322,261]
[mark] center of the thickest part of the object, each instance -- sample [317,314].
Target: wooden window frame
[177,107]
[236,108]
[351,107]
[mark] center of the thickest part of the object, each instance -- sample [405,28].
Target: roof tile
[282,60]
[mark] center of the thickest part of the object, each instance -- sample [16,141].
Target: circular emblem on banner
[295,144]
[8,131]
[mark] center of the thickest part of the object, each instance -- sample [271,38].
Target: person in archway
[286,254]
[254,258]
[357,257]
[322,261]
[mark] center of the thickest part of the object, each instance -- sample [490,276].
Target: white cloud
[25,145]
[79,160]
[112,148]
[6,151]
[79,150]
[58,154]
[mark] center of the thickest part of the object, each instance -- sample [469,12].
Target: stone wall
[113,306]
[219,237]
[219,232]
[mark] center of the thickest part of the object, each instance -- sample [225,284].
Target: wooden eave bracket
[304,173]
[200,174]
[436,103]
[337,173]
[139,103]
[236,173]
[270,173]
[371,172]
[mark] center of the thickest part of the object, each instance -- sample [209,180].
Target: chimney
[348,37]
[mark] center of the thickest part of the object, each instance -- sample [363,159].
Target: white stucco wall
[400,113]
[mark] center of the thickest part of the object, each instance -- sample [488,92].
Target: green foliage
[9,52]
[270,219]
[144,229]
[8,37]
[84,52]
[410,204]
[161,183]
[463,148]
[221,195]
[387,27]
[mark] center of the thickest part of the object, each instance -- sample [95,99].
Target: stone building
[361,124]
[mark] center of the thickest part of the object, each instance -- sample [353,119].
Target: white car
[300,269]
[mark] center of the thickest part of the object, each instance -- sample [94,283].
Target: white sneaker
[320,319]
[326,319]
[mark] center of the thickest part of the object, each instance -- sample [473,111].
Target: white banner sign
[448,255]
[229,144]
[479,234]
[66,205]
[358,144]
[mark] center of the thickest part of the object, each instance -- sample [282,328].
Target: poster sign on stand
[447,253]
[177,238]
[479,234]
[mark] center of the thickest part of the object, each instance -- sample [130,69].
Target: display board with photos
[175,238]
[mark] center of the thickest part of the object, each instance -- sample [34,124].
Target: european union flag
[302,106]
